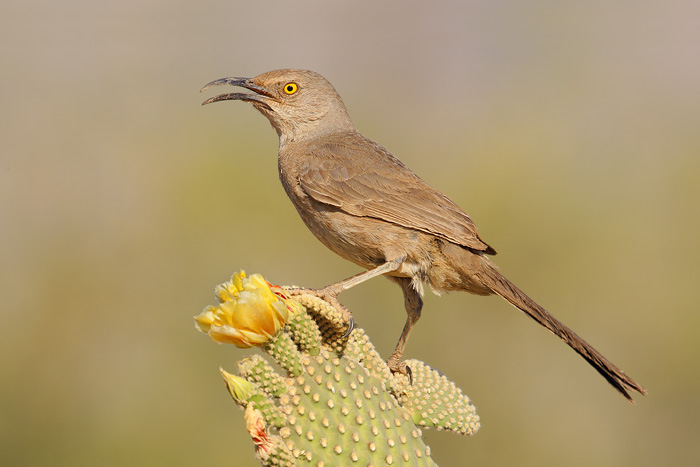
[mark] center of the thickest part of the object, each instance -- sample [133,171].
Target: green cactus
[338,403]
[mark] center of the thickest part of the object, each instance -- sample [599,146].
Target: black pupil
[290,88]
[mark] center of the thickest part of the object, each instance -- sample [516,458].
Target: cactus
[338,403]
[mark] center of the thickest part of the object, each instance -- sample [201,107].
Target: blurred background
[567,130]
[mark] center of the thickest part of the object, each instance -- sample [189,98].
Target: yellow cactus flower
[250,312]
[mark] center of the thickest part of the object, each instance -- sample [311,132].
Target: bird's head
[298,103]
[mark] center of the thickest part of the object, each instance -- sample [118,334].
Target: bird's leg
[330,293]
[414,304]
[350,282]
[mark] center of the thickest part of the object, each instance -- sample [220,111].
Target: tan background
[569,132]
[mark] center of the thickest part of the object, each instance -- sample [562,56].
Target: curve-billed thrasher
[368,207]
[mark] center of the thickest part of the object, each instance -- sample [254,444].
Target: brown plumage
[368,207]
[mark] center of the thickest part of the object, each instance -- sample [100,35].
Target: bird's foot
[396,365]
[330,295]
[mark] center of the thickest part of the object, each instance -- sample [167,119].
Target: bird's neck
[313,130]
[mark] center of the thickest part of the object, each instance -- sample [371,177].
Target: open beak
[261,94]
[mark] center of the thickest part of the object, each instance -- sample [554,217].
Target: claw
[351,326]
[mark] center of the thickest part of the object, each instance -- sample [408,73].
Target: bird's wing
[362,178]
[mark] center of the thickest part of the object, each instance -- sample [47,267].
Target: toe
[398,366]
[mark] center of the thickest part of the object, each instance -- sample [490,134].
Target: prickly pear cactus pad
[329,399]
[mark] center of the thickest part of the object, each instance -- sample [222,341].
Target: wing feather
[360,177]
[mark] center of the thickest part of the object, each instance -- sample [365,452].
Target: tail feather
[506,289]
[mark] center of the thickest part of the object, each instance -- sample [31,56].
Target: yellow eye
[290,88]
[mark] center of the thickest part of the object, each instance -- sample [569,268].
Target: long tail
[506,289]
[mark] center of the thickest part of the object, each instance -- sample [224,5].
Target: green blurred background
[568,131]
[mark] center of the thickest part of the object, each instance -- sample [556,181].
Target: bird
[368,207]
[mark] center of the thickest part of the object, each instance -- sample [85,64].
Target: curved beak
[260,96]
